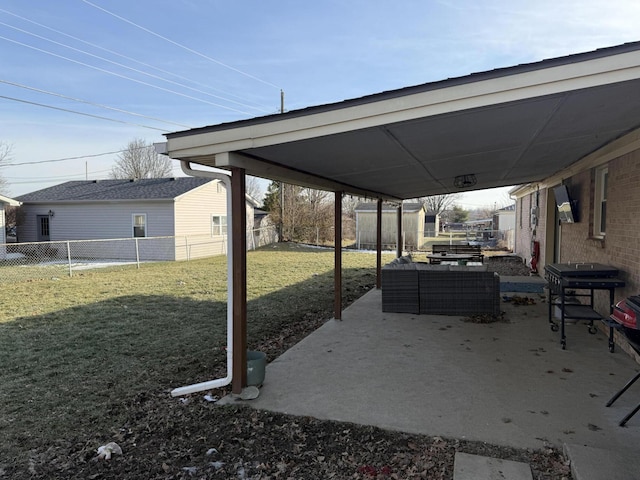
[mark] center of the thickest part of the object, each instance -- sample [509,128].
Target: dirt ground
[194,438]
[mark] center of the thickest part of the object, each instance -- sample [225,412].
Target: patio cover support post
[379,245]
[239,253]
[399,249]
[337,269]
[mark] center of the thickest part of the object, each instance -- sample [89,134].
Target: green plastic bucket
[256,363]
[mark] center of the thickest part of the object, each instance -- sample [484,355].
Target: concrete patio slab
[476,467]
[588,463]
[501,383]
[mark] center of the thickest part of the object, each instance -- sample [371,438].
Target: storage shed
[413,222]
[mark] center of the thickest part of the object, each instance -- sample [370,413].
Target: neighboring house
[601,193]
[264,231]
[4,202]
[413,221]
[192,211]
[504,221]
[505,218]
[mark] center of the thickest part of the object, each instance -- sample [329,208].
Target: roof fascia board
[619,147]
[510,87]
[278,173]
[522,190]
[9,201]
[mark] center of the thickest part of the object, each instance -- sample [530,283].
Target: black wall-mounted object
[567,211]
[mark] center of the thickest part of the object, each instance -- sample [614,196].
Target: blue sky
[196,63]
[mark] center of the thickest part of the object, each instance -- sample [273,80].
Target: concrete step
[589,463]
[532,284]
[476,467]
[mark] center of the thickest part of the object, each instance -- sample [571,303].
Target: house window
[139,224]
[218,225]
[600,202]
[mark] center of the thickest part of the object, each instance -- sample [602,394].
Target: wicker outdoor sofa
[416,287]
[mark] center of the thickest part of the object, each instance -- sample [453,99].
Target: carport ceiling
[505,127]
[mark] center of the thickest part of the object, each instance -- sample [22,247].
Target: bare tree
[439,203]
[253,188]
[349,204]
[140,160]
[5,157]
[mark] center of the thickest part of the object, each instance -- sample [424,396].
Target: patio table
[452,257]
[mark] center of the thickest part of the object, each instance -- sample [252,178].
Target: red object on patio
[625,314]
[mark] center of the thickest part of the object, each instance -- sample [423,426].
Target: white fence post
[69,258]
[137,254]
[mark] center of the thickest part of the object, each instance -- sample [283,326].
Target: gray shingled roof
[97,190]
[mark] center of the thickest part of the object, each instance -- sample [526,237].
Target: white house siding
[505,224]
[105,220]
[193,211]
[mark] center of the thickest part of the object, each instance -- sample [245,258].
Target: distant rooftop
[110,190]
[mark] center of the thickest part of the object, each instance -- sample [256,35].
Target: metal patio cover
[505,127]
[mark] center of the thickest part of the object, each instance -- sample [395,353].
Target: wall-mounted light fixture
[51,213]
[465,181]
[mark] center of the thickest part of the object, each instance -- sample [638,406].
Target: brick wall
[621,246]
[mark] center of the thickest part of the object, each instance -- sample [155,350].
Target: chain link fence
[33,260]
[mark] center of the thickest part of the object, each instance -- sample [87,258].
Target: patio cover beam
[379,244]
[337,269]
[399,241]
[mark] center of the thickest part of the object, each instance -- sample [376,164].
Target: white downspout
[220,382]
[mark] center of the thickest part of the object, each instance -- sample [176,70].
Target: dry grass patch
[73,350]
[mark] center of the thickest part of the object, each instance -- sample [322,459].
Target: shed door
[43,228]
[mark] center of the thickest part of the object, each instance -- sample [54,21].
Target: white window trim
[223,231]
[133,224]
[599,197]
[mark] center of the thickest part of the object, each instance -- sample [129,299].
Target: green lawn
[74,351]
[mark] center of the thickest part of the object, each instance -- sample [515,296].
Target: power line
[157,77]
[81,113]
[98,175]
[66,158]
[91,103]
[52,177]
[173,74]
[181,46]
[123,76]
